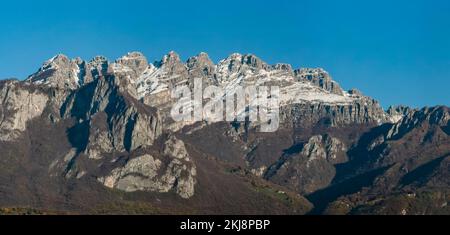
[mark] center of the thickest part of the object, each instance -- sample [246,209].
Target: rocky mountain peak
[144,81]
[98,65]
[229,65]
[283,67]
[171,58]
[234,56]
[134,61]
[200,65]
[172,65]
[97,60]
[59,71]
[59,59]
[319,77]
[254,62]
[56,62]
[203,54]
[109,125]
[202,59]
[133,55]
[237,64]
[398,112]
[235,61]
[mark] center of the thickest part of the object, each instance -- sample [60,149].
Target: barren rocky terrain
[96,137]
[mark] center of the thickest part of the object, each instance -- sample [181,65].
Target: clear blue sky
[395,51]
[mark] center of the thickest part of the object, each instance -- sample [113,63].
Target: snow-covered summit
[313,85]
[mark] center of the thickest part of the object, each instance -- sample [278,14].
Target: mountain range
[97,137]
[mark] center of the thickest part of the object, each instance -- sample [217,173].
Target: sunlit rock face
[114,122]
[19,104]
[124,106]
[148,173]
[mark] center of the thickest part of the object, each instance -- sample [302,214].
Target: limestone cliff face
[320,78]
[116,120]
[122,109]
[308,96]
[174,170]
[361,111]
[19,104]
[59,72]
[64,73]
[103,105]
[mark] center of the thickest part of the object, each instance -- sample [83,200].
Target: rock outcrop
[60,72]
[116,120]
[310,168]
[396,113]
[110,125]
[173,171]
[20,103]
[124,106]
[201,66]
[320,78]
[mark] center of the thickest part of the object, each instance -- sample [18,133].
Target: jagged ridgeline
[97,137]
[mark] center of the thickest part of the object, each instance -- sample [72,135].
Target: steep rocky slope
[404,161]
[97,137]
